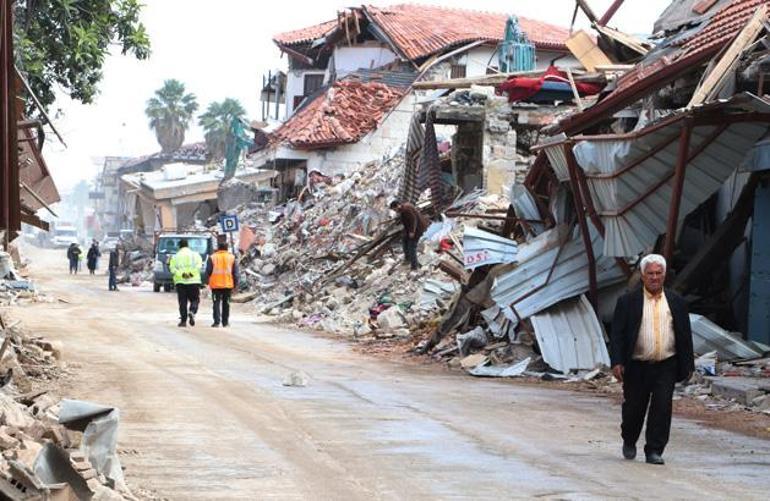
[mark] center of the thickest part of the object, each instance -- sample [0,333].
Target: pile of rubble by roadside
[331,260]
[136,261]
[51,448]
[15,289]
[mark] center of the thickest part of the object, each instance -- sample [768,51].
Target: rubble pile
[331,260]
[46,452]
[136,261]
[14,288]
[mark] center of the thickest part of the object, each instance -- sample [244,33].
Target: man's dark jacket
[628,320]
[413,220]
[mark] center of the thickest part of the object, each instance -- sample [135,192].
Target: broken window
[313,83]
[457,71]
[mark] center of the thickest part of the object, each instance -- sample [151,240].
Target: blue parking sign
[229,223]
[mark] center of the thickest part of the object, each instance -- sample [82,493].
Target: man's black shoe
[182,324]
[629,451]
[655,458]
[215,324]
[225,324]
[191,319]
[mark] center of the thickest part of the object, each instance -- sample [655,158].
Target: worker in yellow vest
[185,267]
[222,269]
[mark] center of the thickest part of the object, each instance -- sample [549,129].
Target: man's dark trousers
[648,384]
[410,252]
[221,299]
[113,281]
[188,293]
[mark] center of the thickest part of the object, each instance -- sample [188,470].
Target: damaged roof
[419,31]
[305,35]
[343,114]
[682,54]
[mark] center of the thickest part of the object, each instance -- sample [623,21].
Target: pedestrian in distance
[415,224]
[73,255]
[112,268]
[185,266]
[222,270]
[651,349]
[92,257]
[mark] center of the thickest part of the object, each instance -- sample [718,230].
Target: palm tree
[216,123]
[170,112]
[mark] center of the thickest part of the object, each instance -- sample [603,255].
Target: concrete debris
[475,360]
[50,448]
[472,340]
[296,378]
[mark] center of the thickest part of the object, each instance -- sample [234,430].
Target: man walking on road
[185,266]
[651,349]
[112,268]
[73,255]
[92,257]
[415,224]
[222,270]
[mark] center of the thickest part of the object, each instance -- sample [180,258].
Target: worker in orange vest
[222,270]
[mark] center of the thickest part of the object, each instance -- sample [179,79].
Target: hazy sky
[221,49]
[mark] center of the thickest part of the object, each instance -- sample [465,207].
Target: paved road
[210,418]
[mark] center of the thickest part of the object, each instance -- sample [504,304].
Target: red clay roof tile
[304,35]
[422,30]
[344,114]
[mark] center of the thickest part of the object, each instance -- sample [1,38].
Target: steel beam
[610,12]
[577,198]
[676,191]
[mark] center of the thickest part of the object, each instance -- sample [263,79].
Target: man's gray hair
[652,259]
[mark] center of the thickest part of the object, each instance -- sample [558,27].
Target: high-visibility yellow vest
[185,266]
[222,270]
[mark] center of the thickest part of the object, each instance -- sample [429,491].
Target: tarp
[553,80]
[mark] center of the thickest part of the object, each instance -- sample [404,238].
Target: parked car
[167,246]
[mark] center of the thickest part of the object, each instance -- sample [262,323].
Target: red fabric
[523,88]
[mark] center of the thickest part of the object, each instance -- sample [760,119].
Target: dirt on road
[205,415]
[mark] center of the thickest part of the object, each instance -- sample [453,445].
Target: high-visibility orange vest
[222,270]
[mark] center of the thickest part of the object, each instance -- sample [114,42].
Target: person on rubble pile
[92,257]
[73,255]
[112,268]
[415,223]
[222,270]
[651,349]
[185,266]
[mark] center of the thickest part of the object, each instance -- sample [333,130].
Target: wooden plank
[625,39]
[716,77]
[586,51]
[575,92]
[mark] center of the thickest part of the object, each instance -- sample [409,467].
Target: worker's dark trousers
[73,265]
[410,252]
[188,293]
[113,280]
[221,299]
[648,384]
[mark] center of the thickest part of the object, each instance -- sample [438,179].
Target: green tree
[170,112]
[64,43]
[217,126]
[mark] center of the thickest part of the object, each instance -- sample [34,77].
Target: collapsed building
[580,173]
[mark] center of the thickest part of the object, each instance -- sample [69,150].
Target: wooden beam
[676,190]
[713,82]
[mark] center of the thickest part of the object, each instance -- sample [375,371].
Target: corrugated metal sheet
[570,336]
[499,325]
[554,150]
[633,227]
[433,290]
[528,287]
[708,336]
[481,248]
[525,206]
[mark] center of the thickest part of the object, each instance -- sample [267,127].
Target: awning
[631,176]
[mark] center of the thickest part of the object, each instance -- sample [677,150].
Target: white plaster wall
[295,86]
[348,59]
[476,60]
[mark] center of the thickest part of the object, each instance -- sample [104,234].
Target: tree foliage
[217,123]
[170,112]
[65,42]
